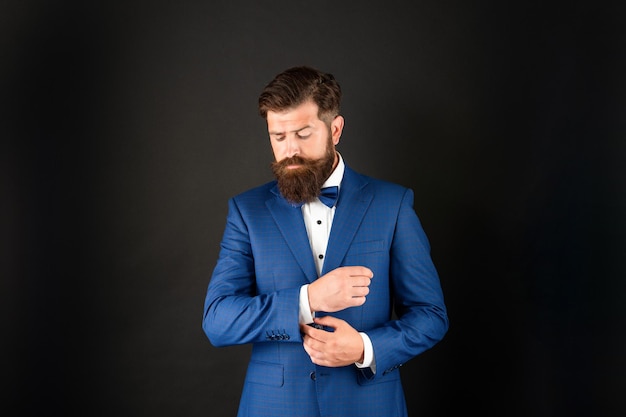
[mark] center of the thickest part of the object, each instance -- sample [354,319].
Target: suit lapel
[291,225]
[354,199]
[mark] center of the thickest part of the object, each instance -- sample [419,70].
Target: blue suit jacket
[253,297]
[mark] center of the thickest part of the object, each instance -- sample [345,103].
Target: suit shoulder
[386,187]
[256,194]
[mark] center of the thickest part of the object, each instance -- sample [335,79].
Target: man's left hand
[341,347]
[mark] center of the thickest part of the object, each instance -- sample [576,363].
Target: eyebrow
[293,131]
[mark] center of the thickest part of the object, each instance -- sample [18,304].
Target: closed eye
[304,133]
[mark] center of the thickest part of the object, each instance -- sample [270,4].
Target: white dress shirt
[318,219]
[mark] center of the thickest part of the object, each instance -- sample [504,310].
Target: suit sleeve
[234,313]
[422,319]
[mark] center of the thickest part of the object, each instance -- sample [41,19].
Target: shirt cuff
[368,354]
[305,316]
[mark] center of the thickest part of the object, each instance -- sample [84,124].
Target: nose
[293,147]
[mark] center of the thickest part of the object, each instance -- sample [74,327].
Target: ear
[336,127]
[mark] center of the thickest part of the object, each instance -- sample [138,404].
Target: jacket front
[253,297]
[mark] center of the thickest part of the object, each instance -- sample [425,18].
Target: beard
[301,185]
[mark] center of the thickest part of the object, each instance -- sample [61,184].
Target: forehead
[296,117]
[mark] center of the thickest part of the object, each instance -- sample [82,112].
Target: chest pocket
[366,253]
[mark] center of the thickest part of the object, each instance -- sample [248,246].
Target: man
[334,298]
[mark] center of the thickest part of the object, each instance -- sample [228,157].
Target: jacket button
[312,375]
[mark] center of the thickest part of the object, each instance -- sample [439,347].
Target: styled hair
[297,85]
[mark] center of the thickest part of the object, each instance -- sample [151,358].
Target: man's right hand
[339,289]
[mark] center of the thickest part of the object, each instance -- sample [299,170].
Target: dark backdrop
[130,124]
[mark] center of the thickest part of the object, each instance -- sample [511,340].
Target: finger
[314,348]
[310,351]
[361,271]
[317,358]
[360,292]
[312,345]
[361,281]
[305,329]
[315,332]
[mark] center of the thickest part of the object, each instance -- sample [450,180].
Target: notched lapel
[291,225]
[354,199]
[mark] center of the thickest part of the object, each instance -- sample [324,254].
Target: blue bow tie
[328,195]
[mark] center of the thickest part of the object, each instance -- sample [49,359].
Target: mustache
[294,160]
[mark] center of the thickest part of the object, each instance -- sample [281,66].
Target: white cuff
[305,315]
[368,354]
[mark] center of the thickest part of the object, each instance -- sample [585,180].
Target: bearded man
[326,272]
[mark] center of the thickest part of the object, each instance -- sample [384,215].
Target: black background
[130,124]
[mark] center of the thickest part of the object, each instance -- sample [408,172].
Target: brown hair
[297,85]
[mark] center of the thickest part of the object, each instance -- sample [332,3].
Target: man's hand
[343,346]
[339,289]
